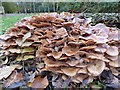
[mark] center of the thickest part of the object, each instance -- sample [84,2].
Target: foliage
[10,7]
[36,7]
[89,7]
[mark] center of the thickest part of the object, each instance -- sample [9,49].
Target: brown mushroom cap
[70,50]
[51,63]
[114,63]
[80,77]
[55,54]
[100,49]
[73,62]
[96,67]
[112,57]
[112,51]
[70,71]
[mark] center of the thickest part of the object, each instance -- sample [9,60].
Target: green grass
[9,21]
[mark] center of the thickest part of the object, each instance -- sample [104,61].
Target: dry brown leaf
[40,82]
[26,57]
[26,36]
[7,70]
[14,77]
[12,50]
[18,41]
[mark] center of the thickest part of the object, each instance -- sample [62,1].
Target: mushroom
[73,63]
[112,51]
[70,50]
[55,54]
[100,49]
[70,71]
[83,70]
[114,63]
[52,63]
[80,77]
[96,67]
[61,32]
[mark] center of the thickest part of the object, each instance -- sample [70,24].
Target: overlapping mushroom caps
[64,43]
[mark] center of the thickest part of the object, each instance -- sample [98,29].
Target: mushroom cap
[113,58]
[80,77]
[55,54]
[114,63]
[70,50]
[96,67]
[100,49]
[51,63]
[61,32]
[70,71]
[73,62]
[112,51]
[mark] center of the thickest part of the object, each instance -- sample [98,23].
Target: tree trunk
[54,6]
[57,6]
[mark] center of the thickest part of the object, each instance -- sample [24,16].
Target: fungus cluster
[62,44]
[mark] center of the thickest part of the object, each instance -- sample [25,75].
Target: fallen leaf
[7,70]
[14,77]
[18,41]
[23,58]
[12,50]
[27,50]
[40,82]
[26,36]
[26,44]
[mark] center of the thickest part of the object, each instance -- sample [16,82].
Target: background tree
[10,7]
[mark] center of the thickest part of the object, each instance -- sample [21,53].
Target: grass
[9,21]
